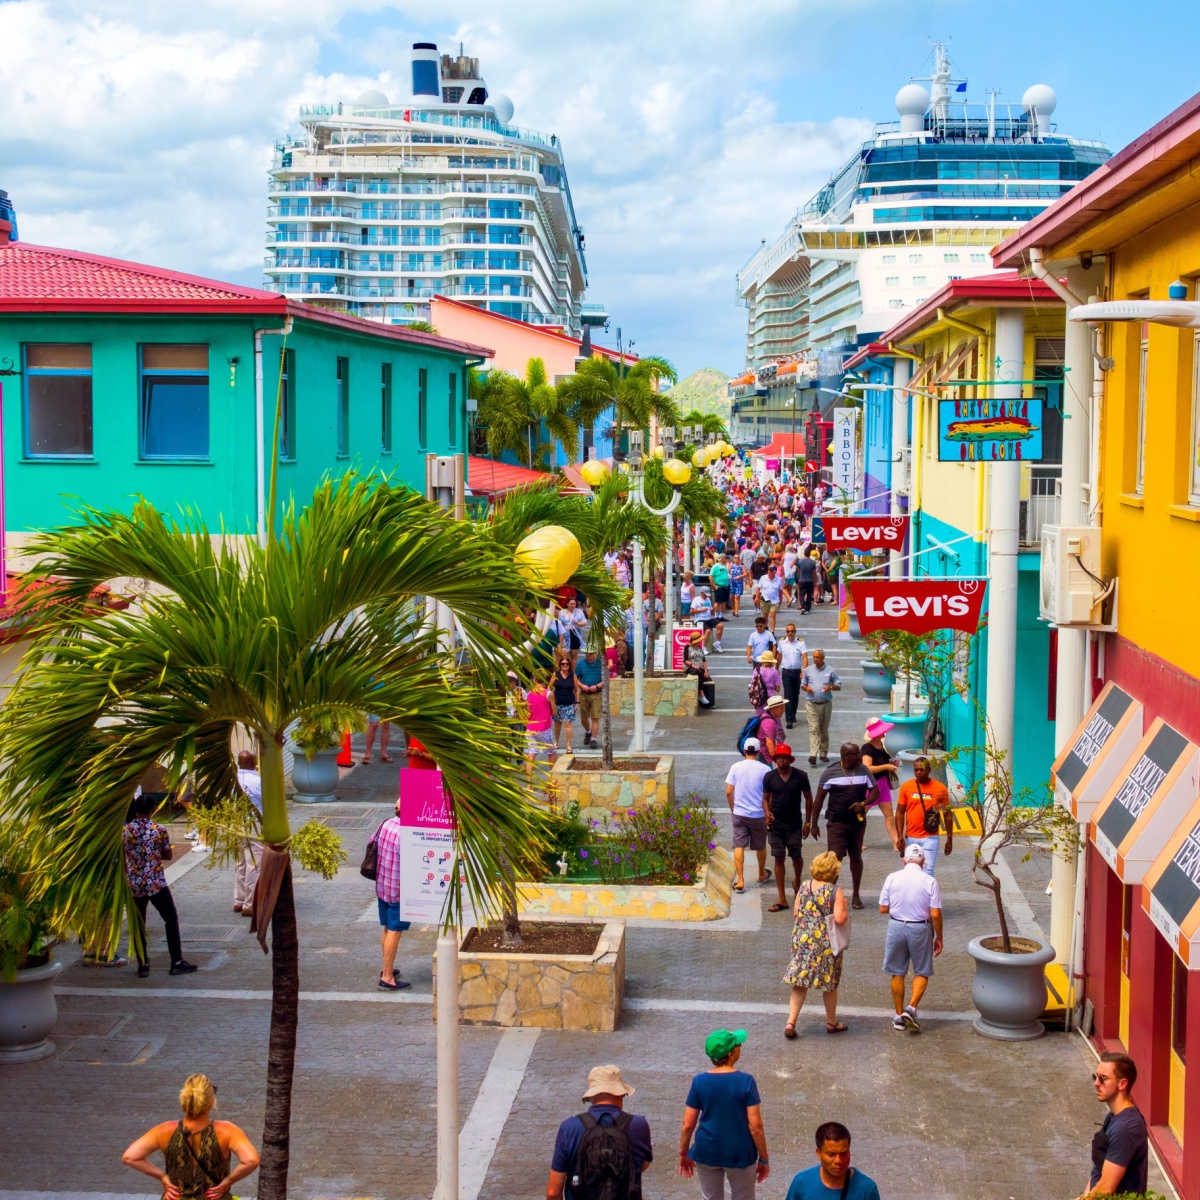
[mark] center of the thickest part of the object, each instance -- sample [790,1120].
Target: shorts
[389,916]
[767,607]
[721,595]
[574,642]
[787,843]
[750,832]
[685,607]
[908,944]
[589,706]
[712,622]
[564,713]
[539,742]
[845,839]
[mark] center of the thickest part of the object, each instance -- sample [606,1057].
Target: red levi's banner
[918,605]
[865,533]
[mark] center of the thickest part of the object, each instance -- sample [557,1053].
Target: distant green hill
[705,391]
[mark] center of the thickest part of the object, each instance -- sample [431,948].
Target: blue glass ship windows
[173,389]
[58,400]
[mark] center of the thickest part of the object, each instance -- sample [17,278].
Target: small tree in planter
[927,658]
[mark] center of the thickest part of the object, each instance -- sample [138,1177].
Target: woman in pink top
[539,737]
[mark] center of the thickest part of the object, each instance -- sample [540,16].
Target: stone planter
[705,900]
[544,991]
[599,792]
[28,1012]
[855,629]
[937,762]
[909,732]
[315,778]
[669,695]
[1009,990]
[877,680]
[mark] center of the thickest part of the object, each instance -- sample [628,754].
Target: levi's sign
[918,605]
[865,533]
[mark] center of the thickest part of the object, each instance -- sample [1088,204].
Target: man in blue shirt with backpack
[601,1154]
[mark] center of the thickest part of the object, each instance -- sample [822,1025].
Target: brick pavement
[946,1114]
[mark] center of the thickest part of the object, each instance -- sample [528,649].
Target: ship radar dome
[912,100]
[502,106]
[371,99]
[1040,98]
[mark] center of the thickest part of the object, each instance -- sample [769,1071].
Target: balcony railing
[1043,506]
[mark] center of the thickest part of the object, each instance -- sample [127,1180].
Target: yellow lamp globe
[659,452]
[549,556]
[700,459]
[595,471]
[676,473]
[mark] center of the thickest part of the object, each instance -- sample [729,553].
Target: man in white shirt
[793,658]
[760,639]
[245,870]
[912,901]
[768,594]
[744,794]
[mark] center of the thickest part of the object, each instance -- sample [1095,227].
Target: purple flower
[583,854]
[712,845]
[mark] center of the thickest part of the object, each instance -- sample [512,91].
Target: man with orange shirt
[922,808]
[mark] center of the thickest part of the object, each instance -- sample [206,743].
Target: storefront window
[1179,982]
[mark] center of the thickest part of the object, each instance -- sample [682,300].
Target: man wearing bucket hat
[604,1145]
[882,766]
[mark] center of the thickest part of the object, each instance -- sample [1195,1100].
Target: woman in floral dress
[813,963]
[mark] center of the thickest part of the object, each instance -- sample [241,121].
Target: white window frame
[1194,447]
[1140,439]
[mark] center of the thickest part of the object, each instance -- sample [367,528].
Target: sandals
[363,762]
[763,880]
[789,1031]
[777,908]
[835,1027]
[396,985]
[739,887]
[385,758]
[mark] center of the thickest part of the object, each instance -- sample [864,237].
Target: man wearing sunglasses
[1119,1147]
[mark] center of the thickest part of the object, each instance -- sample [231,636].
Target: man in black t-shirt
[848,785]
[1119,1148]
[787,799]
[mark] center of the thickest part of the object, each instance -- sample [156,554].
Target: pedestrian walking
[912,901]
[245,870]
[787,801]
[882,766]
[723,1139]
[770,729]
[720,579]
[817,948]
[818,683]
[848,786]
[793,658]
[147,845]
[744,794]
[761,639]
[768,594]
[833,1178]
[590,676]
[601,1153]
[765,681]
[1119,1149]
[539,734]
[566,699]
[387,893]
[384,729]
[806,582]
[737,585]
[197,1151]
[923,808]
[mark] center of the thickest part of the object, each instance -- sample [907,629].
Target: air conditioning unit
[1070,578]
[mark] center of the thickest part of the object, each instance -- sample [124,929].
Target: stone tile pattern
[573,991]
[705,900]
[601,792]
[671,695]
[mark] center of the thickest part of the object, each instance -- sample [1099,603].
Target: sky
[692,131]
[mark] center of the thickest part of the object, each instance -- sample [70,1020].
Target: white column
[1004,516]
[668,588]
[687,544]
[639,650]
[447,1067]
[901,373]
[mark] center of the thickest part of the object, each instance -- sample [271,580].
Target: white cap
[914,854]
[753,744]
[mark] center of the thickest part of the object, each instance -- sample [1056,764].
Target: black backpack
[604,1166]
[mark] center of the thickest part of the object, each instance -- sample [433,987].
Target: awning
[1088,764]
[1150,798]
[1171,896]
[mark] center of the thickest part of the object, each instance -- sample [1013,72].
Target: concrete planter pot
[909,732]
[670,694]
[315,778]
[1009,989]
[937,762]
[877,680]
[855,629]
[28,1012]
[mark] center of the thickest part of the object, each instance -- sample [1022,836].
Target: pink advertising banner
[427,848]
[681,636]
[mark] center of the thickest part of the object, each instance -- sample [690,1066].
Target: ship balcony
[494,291]
[1043,505]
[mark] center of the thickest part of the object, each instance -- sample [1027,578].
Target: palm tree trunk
[512,939]
[281,1051]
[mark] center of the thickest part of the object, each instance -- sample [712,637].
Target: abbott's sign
[846,483]
[865,533]
[918,605]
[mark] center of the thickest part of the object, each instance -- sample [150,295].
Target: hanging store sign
[990,430]
[865,533]
[918,605]
[1156,787]
[1088,764]
[846,483]
[1171,897]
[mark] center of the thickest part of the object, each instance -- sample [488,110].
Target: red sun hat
[783,750]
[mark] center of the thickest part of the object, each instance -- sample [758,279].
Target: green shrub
[665,843]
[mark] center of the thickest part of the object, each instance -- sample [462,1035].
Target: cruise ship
[381,205]
[916,206]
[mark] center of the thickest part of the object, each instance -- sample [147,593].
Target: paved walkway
[945,1114]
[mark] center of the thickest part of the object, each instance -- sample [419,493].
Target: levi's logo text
[865,533]
[918,605]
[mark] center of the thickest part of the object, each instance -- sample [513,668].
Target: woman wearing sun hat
[723,1138]
[882,765]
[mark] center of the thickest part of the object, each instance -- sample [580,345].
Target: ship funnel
[426,72]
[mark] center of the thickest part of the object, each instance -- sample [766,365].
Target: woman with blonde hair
[196,1149]
[815,962]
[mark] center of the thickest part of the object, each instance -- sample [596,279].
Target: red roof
[31,607]
[46,279]
[782,445]
[487,477]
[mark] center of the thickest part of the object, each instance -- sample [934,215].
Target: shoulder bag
[839,935]
[369,868]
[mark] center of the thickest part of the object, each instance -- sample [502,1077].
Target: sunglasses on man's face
[1098,1078]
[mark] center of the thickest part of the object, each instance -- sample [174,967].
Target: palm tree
[630,391]
[512,412]
[319,623]
[711,423]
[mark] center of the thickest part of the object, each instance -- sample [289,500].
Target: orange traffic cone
[346,757]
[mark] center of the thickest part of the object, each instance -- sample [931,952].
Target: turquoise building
[121,380]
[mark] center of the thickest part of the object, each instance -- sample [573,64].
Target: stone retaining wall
[673,695]
[571,991]
[705,900]
[600,792]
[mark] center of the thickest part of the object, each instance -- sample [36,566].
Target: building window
[978,256]
[343,407]
[888,259]
[453,408]
[919,281]
[950,258]
[892,281]
[423,408]
[895,304]
[287,405]
[385,407]
[58,399]
[173,386]
[1194,444]
[916,258]
[1140,430]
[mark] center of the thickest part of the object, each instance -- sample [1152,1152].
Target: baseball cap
[783,750]
[722,1042]
[914,854]
[751,744]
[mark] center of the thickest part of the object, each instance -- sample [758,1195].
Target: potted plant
[28,1009]
[1009,989]
[877,678]
[318,737]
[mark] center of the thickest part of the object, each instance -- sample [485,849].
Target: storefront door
[1126,924]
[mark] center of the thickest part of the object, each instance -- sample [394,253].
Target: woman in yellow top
[196,1149]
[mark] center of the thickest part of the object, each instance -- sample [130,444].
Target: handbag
[930,821]
[839,935]
[369,867]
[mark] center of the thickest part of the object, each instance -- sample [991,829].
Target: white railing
[1043,506]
